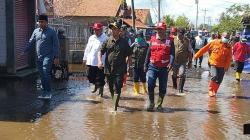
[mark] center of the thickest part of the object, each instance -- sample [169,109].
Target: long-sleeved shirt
[240,51]
[220,53]
[199,42]
[92,48]
[46,41]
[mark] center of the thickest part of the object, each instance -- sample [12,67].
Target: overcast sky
[188,7]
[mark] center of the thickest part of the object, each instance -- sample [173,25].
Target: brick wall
[2,34]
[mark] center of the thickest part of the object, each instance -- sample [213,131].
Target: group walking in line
[110,58]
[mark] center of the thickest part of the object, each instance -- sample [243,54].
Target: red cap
[161,25]
[173,30]
[97,26]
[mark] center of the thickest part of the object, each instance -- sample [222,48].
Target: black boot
[116,99]
[151,104]
[174,79]
[181,84]
[101,91]
[94,89]
[160,101]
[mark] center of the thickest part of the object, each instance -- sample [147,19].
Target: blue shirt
[47,43]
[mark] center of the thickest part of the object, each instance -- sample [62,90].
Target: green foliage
[182,21]
[230,20]
[169,20]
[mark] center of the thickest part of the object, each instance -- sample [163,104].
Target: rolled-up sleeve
[31,42]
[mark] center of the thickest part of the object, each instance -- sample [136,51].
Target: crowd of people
[111,57]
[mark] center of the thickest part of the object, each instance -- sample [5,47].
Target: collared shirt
[47,43]
[92,48]
[116,53]
[183,49]
[199,42]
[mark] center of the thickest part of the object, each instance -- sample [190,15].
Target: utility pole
[159,10]
[209,20]
[133,14]
[205,11]
[197,12]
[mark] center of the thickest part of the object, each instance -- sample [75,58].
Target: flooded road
[74,113]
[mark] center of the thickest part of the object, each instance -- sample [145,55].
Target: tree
[230,20]
[169,20]
[182,21]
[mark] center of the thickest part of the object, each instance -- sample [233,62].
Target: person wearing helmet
[95,75]
[240,51]
[158,62]
[140,47]
[220,60]
[183,56]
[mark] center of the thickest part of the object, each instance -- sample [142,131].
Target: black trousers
[96,76]
[239,66]
[115,83]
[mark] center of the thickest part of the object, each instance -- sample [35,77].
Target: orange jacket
[220,54]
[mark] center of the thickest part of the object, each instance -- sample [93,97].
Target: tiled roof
[138,23]
[86,7]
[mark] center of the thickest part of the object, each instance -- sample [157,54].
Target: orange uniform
[220,53]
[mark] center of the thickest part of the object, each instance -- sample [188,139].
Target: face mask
[225,40]
[138,39]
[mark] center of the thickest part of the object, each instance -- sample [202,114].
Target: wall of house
[2,34]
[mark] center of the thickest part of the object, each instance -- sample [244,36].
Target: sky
[188,8]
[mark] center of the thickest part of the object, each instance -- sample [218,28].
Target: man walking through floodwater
[117,50]
[47,49]
[158,61]
[95,75]
[220,60]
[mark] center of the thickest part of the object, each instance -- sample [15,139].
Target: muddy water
[75,114]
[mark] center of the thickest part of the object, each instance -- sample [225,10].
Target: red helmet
[97,26]
[161,25]
[173,30]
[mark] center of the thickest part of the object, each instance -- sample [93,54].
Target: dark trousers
[139,75]
[200,58]
[96,76]
[217,74]
[239,66]
[115,83]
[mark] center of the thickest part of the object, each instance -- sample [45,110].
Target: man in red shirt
[240,50]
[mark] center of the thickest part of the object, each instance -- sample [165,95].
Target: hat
[114,24]
[43,17]
[161,25]
[173,30]
[97,26]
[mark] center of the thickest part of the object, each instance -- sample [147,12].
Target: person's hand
[100,65]
[56,61]
[169,67]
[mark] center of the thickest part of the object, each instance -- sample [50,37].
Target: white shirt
[199,42]
[92,48]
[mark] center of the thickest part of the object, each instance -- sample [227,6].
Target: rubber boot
[181,84]
[116,99]
[136,88]
[237,76]
[94,89]
[160,101]
[101,91]
[144,88]
[174,79]
[151,104]
[212,88]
